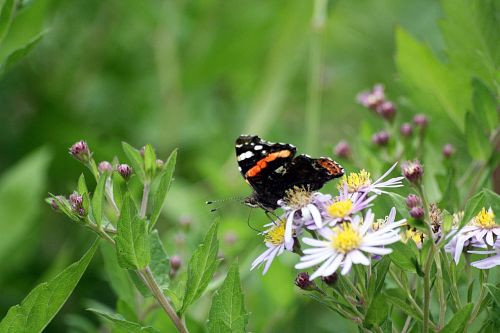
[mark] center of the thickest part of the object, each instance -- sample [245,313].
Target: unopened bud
[104,167]
[175,262]
[124,170]
[159,163]
[421,120]
[413,171]
[417,213]
[381,138]
[448,150]
[413,201]
[302,281]
[372,99]
[330,279]
[80,151]
[342,149]
[76,202]
[406,130]
[387,110]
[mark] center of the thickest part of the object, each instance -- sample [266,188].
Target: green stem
[413,303]
[144,201]
[477,307]
[313,108]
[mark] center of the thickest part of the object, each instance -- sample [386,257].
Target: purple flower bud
[448,150]
[76,202]
[159,163]
[406,129]
[372,99]
[302,281]
[387,110]
[124,170]
[175,262]
[417,213]
[104,167]
[342,149]
[420,120]
[142,150]
[54,205]
[380,138]
[413,201]
[80,151]
[413,171]
[330,279]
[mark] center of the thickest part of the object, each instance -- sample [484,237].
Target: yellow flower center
[340,208]
[355,181]
[346,239]
[297,197]
[276,235]
[485,219]
[414,234]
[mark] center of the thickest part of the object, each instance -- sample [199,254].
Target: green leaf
[119,322]
[98,199]
[6,12]
[492,200]
[132,242]
[118,188]
[399,301]
[472,207]
[63,205]
[201,267]
[21,189]
[19,53]
[377,279]
[377,312]
[43,302]
[477,142]
[459,320]
[160,262]
[485,106]
[403,257]
[149,160]
[82,185]
[494,291]
[117,277]
[161,191]
[135,160]
[400,204]
[227,313]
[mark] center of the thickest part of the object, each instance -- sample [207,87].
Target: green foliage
[405,256]
[119,322]
[227,313]
[98,200]
[160,194]
[472,207]
[377,312]
[485,106]
[459,320]
[132,242]
[21,188]
[201,268]
[399,302]
[43,302]
[135,159]
[160,263]
[477,141]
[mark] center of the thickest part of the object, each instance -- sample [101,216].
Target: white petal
[306,264]
[347,265]
[323,267]
[358,257]
[386,173]
[289,226]
[270,259]
[334,266]
[260,258]
[316,215]
[314,242]
[376,250]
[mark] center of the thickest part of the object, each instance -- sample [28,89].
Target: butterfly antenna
[248,222]
[220,202]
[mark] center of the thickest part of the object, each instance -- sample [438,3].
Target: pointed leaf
[82,185]
[160,262]
[484,104]
[117,277]
[377,312]
[459,320]
[201,267]
[119,322]
[43,302]
[472,207]
[227,313]
[98,199]
[6,12]
[132,242]
[399,301]
[19,53]
[160,194]
[149,160]
[135,160]
[403,257]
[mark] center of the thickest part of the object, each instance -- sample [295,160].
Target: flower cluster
[343,228]
[482,232]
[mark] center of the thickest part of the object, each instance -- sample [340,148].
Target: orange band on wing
[262,163]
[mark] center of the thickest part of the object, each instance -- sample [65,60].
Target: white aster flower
[482,229]
[491,261]
[300,200]
[274,238]
[344,245]
[346,205]
[361,182]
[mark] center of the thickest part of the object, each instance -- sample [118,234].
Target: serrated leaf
[119,322]
[98,199]
[459,320]
[201,267]
[377,312]
[477,142]
[160,194]
[21,189]
[42,304]
[149,160]
[472,207]
[403,257]
[132,241]
[160,262]
[227,313]
[135,159]
[399,301]
[6,13]
[485,106]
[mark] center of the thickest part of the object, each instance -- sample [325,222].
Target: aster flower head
[361,182]
[274,238]
[301,207]
[345,205]
[482,230]
[303,282]
[347,244]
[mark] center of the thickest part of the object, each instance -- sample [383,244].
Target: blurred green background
[194,75]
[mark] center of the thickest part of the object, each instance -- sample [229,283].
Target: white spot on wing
[244,156]
[258,147]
